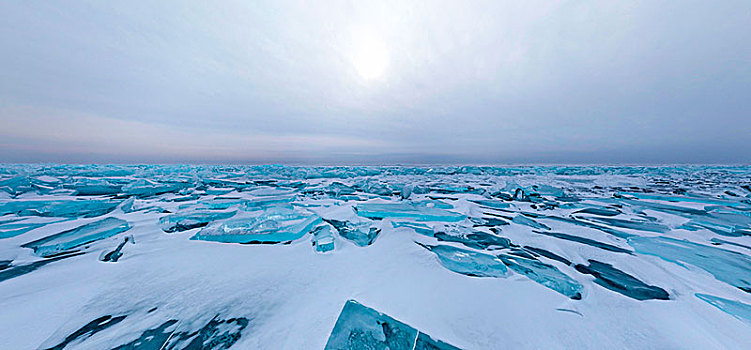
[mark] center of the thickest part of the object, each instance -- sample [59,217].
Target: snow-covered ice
[278,257]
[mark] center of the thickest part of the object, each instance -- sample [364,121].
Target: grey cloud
[480,82]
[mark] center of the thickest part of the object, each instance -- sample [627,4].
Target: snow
[507,265]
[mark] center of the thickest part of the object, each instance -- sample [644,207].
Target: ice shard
[523,220]
[406,191]
[115,255]
[59,208]
[728,266]
[641,225]
[583,240]
[468,262]
[418,227]
[723,229]
[8,271]
[472,238]
[577,222]
[337,189]
[492,203]
[146,188]
[734,308]
[361,233]
[360,327]
[548,254]
[406,210]
[78,236]
[131,206]
[544,274]
[275,225]
[489,221]
[94,187]
[686,199]
[220,203]
[425,342]
[12,229]
[190,220]
[16,185]
[266,202]
[323,239]
[600,211]
[378,188]
[717,241]
[618,281]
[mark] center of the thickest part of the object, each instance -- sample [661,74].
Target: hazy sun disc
[370,56]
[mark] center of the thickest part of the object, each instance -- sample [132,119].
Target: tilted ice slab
[360,327]
[10,270]
[735,308]
[686,199]
[723,227]
[94,187]
[471,238]
[491,203]
[148,188]
[418,227]
[728,266]
[584,240]
[78,236]
[323,239]
[544,274]
[469,262]
[190,220]
[116,254]
[406,210]
[618,281]
[360,233]
[12,229]
[59,208]
[274,225]
[221,203]
[265,202]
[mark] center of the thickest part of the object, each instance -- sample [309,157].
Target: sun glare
[370,56]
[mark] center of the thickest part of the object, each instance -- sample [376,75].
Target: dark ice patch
[618,281]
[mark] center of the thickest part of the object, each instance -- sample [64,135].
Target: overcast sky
[386,82]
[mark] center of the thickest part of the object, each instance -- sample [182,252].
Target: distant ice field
[280,257]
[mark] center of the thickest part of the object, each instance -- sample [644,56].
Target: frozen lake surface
[276,257]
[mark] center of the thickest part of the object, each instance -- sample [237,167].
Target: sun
[370,55]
